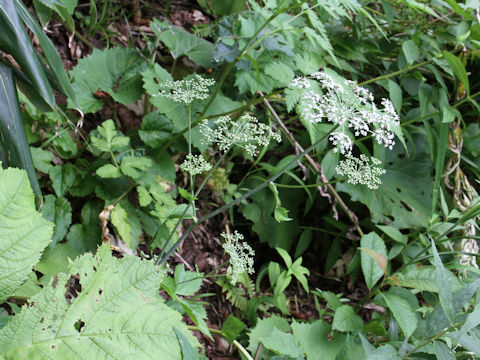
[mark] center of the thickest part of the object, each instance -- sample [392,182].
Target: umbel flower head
[185,91]
[247,132]
[241,255]
[361,171]
[349,106]
[195,164]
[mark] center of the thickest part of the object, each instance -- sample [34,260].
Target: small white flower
[195,164]
[241,255]
[186,91]
[352,108]
[360,171]
[247,132]
[300,82]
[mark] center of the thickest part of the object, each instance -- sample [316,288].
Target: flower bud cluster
[195,164]
[241,255]
[349,106]
[185,91]
[247,132]
[361,171]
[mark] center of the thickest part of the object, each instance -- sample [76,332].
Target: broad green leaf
[442,351]
[119,220]
[182,43]
[404,197]
[282,343]
[42,159]
[373,258]
[64,8]
[395,92]
[458,69]
[62,178]
[410,50]
[403,313]
[108,171]
[232,327]
[346,320]
[84,238]
[423,278]
[14,150]
[142,326]
[106,138]
[314,340]
[197,313]
[444,287]
[281,214]
[393,233]
[59,212]
[156,128]
[264,328]
[281,72]
[115,71]
[23,232]
[384,352]
[56,260]
[473,320]
[187,282]
[134,166]
[188,352]
[15,41]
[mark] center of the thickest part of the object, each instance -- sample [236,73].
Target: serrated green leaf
[108,171]
[187,282]
[107,138]
[59,212]
[188,352]
[281,72]
[232,327]
[314,340]
[403,313]
[62,178]
[444,287]
[134,166]
[374,254]
[115,71]
[56,260]
[282,343]
[144,197]
[23,232]
[263,328]
[42,159]
[143,325]
[423,278]
[182,43]
[346,320]
[442,351]
[155,129]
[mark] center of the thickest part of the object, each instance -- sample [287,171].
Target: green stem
[240,199]
[239,346]
[388,76]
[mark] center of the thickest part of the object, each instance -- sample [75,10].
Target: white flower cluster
[247,132]
[360,171]
[241,256]
[349,106]
[185,91]
[195,164]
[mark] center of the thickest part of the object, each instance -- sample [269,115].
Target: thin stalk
[192,184]
[180,219]
[395,73]
[240,199]
[235,343]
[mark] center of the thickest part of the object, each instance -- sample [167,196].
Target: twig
[331,190]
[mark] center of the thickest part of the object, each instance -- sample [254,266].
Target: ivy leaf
[62,178]
[59,212]
[23,232]
[142,325]
[346,320]
[373,258]
[115,71]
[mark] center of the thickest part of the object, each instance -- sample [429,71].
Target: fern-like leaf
[23,232]
[117,314]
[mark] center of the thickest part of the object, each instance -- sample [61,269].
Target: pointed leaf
[444,287]
[403,313]
[373,258]
[458,69]
[23,232]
